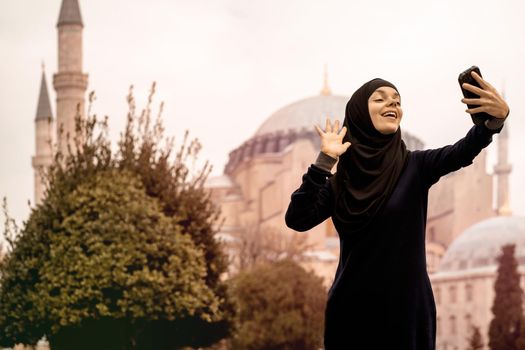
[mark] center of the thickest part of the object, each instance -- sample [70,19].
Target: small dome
[305,113]
[480,245]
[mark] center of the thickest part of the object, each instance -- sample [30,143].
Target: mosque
[464,230]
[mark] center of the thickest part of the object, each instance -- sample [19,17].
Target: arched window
[468,323]
[468,292]
[452,291]
[452,324]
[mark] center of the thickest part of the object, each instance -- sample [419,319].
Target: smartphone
[466,77]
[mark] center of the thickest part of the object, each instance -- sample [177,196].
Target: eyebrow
[384,93]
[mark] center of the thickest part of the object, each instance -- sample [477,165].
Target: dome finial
[326,90]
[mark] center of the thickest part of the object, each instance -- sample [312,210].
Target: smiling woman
[381,297]
[385,110]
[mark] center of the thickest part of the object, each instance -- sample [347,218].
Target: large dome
[296,121]
[480,245]
[305,113]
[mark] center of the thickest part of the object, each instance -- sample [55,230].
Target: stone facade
[464,283]
[262,173]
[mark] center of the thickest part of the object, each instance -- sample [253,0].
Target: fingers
[474,89]
[474,101]
[328,127]
[319,130]
[476,110]
[346,145]
[485,85]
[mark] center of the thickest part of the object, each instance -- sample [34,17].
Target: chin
[388,131]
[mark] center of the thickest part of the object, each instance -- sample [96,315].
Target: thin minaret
[44,140]
[70,83]
[502,171]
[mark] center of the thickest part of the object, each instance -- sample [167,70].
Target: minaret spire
[502,170]
[70,13]
[43,110]
[326,89]
[44,139]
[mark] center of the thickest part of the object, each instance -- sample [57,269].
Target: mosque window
[453,324]
[468,322]
[452,292]
[468,292]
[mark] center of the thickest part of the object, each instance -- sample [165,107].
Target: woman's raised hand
[331,140]
[489,101]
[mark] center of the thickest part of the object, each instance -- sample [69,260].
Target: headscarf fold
[368,171]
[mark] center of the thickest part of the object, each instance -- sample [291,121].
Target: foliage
[281,307]
[124,240]
[520,342]
[255,245]
[475,340]
[507,309]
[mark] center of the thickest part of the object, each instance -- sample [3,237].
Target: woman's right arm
[312,202]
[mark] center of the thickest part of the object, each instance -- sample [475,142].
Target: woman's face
[384,106]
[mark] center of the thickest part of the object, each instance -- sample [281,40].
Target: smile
[390,114]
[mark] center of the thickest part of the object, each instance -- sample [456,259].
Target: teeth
[390,114]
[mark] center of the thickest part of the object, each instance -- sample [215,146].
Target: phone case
[466,77]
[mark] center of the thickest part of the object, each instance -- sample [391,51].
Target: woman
[381,296]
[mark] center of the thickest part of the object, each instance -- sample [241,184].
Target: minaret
[502,170]
[44,140]
[70,83]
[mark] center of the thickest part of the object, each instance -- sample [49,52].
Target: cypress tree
[507,309]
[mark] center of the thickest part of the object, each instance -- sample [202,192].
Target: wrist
[325,161]
[335,156]
[494,123]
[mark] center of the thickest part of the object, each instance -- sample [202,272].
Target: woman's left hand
[489,101]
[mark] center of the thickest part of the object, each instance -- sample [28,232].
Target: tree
[281,307]
[520,342]
[475,341]
[507,308]
[121,245]
[255,245]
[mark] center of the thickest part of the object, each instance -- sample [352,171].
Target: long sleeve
[312,202]
[435,163]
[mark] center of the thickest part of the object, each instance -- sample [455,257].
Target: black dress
[381,297]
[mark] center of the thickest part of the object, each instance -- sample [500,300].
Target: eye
[378,100]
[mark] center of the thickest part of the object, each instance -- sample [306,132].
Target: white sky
[222,67]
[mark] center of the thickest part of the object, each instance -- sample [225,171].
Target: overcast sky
[222,67]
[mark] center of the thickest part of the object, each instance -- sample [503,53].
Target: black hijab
[368,171]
